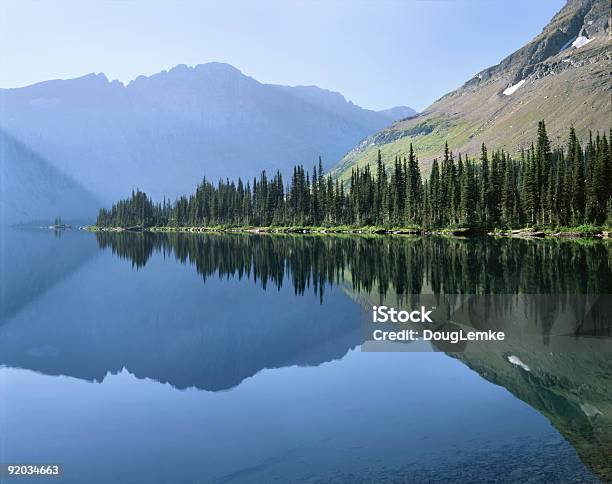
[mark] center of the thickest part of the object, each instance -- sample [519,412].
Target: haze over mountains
[33,190]
[163,133]
[561,76]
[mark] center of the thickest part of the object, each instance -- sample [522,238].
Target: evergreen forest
[568,185]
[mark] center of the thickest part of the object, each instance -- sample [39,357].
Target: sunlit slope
[561,76]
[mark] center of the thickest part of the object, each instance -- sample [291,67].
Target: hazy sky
[378,53]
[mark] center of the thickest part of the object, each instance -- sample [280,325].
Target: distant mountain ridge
[561,76]
[164,132]
[398,112]
[336,103]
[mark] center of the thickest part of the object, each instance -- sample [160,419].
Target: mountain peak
[398,113]
[561,76]
[578,18]
[218,67]
[183,73]
[208,119]
[98,77]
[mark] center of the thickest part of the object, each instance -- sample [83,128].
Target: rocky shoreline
[565,234]
[528,233]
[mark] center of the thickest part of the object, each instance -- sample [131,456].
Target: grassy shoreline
[527,232]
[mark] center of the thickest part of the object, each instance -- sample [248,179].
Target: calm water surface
[232,358]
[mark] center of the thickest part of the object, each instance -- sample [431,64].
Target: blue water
[152,374]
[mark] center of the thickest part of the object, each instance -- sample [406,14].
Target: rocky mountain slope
[163,133]
[562,76]
[33,190]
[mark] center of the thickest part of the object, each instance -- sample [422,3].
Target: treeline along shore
[565,190]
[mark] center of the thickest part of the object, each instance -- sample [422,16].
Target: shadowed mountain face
[561,76]
[163,133]
[33,190]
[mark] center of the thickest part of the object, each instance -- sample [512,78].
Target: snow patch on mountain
[512,89]
[581,41]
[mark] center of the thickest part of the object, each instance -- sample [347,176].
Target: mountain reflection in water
[151,318]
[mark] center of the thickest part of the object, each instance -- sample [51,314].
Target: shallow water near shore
[142,357]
